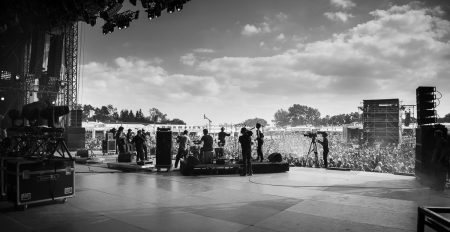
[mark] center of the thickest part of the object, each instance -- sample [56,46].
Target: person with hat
[324,144]
[246,144]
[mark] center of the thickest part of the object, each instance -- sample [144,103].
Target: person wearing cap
[183,143]
[324,144]
[246,144]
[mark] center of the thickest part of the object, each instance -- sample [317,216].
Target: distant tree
[102,114]
[124,115]
[176,121]
[303,115]
[157,116]
[446,118]
[87,112]
[140,116]
[281,118]
[131,117]
[252,122]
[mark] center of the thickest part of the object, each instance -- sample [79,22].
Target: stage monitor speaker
[192,160]
[83,153]
[275,157]
[124,158]
[163,147]
[75,138]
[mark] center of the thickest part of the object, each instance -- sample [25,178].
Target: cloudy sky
[239,59]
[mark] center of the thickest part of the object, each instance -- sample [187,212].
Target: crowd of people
[387,158]
[294,147]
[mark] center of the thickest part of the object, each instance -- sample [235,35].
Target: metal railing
[430,216]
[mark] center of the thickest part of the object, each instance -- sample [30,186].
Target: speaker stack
[426,133]
[163,148]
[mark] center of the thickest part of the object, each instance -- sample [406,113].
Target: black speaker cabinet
[425,144]
[163,148]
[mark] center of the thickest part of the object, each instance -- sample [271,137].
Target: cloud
[140,81]
[344,4]
[204,50]
[281,37]
[397,50]
[249,29]
[188,59]
[338,16]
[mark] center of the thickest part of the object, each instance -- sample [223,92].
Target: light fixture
[170,8]
[179,7]
[2,98]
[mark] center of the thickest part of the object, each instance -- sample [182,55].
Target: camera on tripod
[313,135]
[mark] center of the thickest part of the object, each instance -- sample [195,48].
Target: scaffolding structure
[381,121]
[68,94]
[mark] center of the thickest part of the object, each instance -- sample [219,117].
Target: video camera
[313,135]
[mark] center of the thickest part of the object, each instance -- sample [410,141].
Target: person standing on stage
[183,143]
[260,142]
[146,147]
[139,142]
[222,134]
[120,140]
[246,144]
[324,144]
[207,149]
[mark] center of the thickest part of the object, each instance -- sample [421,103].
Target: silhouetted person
[139,142]
[222,134]
[260,142]
[120,140]
[183,143]
[207,148]
[246,144]
[324,144]
[146,148]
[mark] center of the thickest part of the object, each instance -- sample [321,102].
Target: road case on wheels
[31,181]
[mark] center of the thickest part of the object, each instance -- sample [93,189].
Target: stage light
[108,28]
[179,7]
[2,98]
[170,8]
[157,12]
[151,14]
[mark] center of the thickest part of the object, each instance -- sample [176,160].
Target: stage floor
[303,199]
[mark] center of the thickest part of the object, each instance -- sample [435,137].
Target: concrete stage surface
[303,199]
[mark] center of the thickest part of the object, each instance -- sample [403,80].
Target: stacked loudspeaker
[163,148]
[426,135]
[426,113]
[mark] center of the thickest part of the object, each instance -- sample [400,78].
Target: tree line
[298,115]
[110,114]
